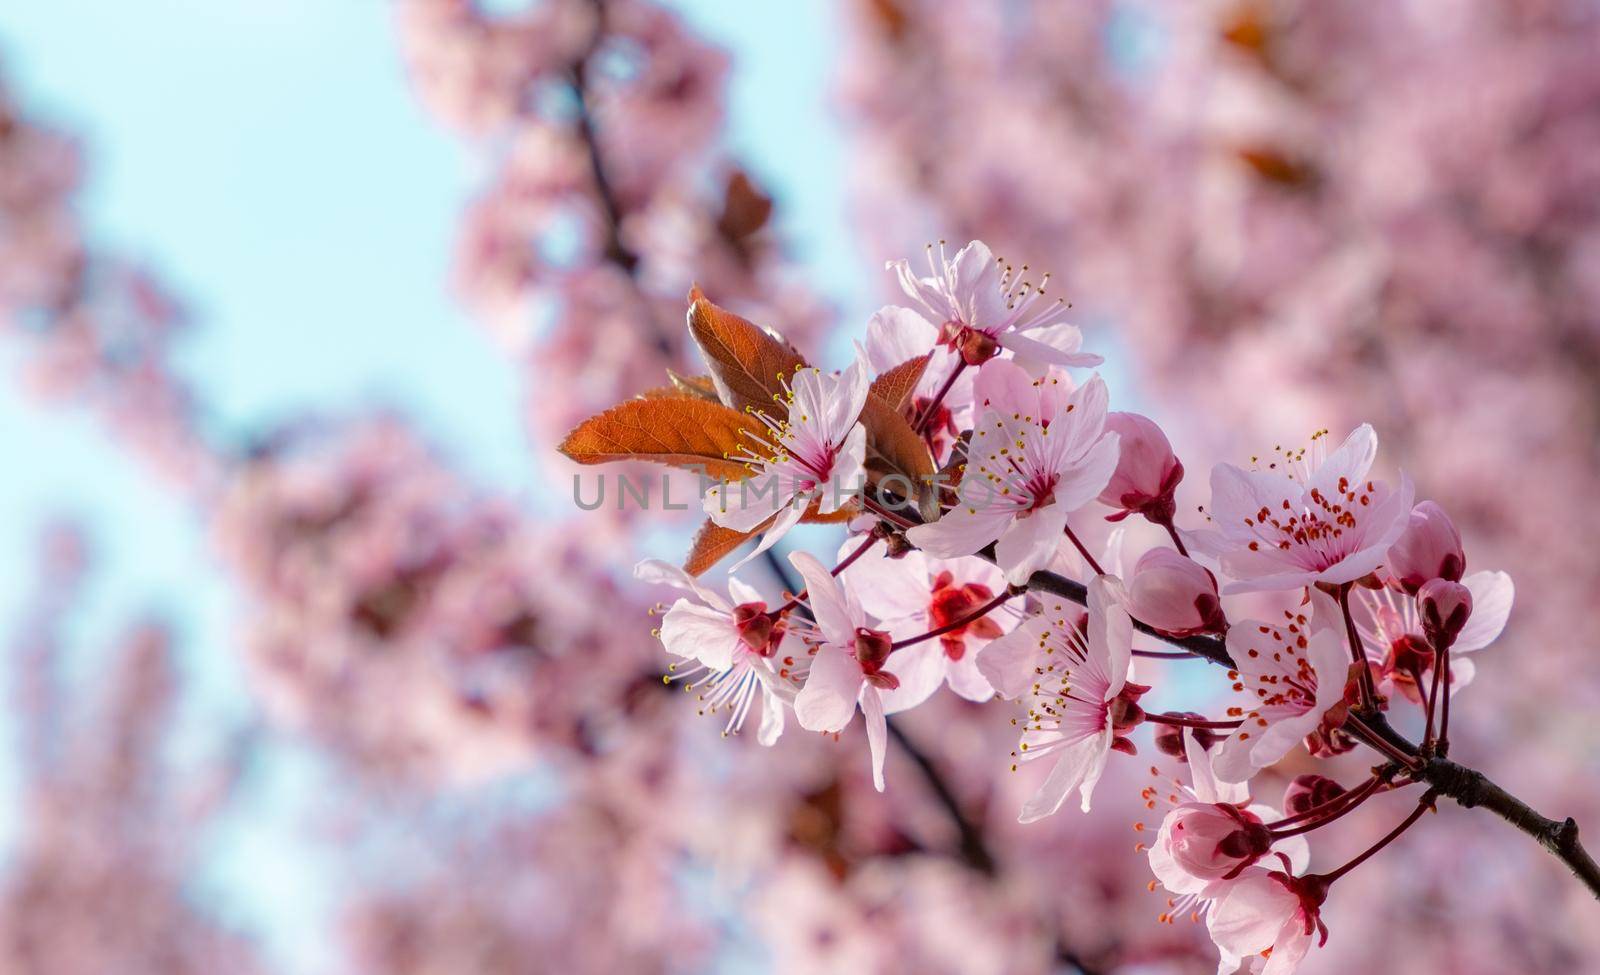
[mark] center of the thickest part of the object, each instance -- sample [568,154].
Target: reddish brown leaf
[683,387]
[896,385]
[893,447]
[845,513]
[748,365]
[678,432]
[711,543]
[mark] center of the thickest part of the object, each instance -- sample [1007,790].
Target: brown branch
[1471,789]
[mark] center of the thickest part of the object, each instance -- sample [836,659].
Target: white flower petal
[1492,595]
[828,700]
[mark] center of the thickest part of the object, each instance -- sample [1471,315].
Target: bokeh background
[312,664]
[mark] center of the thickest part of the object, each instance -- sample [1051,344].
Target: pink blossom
[813,454]
[1301,522]
[1175,594]
[848,666]
[1391,628]
[1211,837]
[737,649]
[981,304]
[1073,679]
[1147,472]
[1293,673]
[915,594]
[1037,455]
[1269,913]
[1429,548]
[1445,606]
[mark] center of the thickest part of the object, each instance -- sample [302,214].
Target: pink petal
[877,728]
[920,669]
[1078,766]
[828,700]
[827,601]
[1247,917]
[962,531]
[1027,545]
[1008,663]
[700,633]
[1492,595]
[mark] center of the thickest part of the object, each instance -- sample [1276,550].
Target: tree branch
[1471,789]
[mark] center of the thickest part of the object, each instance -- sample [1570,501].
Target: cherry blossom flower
[737,648]
[1148,472]
[1037,455]
[1301,522]
[1294,671]
[981,305]
[1216,833]
[814,454]
[1175,594]
[1193,855]
[847,668]
[1429,548]
[1269,913]
[916,594]
[1390,626]
[1075,679]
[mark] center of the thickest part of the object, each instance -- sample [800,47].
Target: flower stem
[1084,552]
[1330,805]
[1177,541]
[1433,698]
[932,408]
[1328,811]
[1358,656]
[891,516]
[843,565]
[1366,733]
[1442,746]
[971,617]
[1423,805]
[1179,721]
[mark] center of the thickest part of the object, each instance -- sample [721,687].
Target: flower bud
[1213,841]
[1147,471]
[1308,791]
[1429,548]
[1175,594]
[1169,737]
[1445,608]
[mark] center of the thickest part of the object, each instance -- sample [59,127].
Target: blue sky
[267,159]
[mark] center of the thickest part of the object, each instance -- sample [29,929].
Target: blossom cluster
[968,471]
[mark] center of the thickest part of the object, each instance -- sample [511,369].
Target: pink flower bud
[1175,594]
[1169,737]
[1429,548]
[1213,841]
[1308,791]
[1445,608]
[1147,471]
